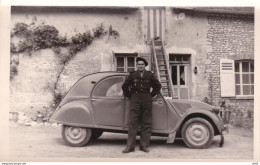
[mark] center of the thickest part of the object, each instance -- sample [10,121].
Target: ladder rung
[157,42]
[167,92]
[159,53]
[165,81]
[163,69]
[161,59]
[163,74]
[162,65]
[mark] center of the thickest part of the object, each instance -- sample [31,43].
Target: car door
[159,114]
[108,102]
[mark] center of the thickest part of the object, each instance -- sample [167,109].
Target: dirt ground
[42,142]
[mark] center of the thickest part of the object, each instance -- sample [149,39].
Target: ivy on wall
[30,38]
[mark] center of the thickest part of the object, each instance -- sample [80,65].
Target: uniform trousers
[140,112]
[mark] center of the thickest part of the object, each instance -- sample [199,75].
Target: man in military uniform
[137,88]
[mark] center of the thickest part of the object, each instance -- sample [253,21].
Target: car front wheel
[197,133]
[75,136]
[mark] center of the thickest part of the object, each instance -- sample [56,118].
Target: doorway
[180,71]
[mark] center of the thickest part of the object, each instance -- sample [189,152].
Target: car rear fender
[74,113]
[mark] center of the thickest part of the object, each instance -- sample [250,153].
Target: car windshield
[110,87]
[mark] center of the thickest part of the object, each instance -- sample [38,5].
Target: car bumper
[225,129]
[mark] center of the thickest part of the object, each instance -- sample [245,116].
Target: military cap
[142,59]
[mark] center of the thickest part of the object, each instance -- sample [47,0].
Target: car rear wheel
[96,133]
[197,133]
[75,136]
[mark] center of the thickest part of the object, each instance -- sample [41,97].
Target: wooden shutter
[154,23]
[227,78]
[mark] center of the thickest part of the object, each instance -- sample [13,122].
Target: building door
[154,23]
[180,70]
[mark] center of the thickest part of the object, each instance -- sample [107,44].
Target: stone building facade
[199,43]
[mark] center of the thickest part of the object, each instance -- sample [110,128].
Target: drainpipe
[211,89]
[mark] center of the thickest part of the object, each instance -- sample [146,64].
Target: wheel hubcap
[74,134]
[197,134]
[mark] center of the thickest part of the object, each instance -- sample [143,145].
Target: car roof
[84,86]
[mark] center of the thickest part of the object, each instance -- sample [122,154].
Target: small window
[179,58]
[125,62]
[111,87]
[244,73]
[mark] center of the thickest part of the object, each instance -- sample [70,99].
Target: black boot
[145,149]
[128,149]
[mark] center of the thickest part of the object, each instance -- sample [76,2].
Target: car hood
[182,106]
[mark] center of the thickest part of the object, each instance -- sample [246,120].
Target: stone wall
[231,36]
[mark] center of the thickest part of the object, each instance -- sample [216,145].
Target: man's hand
[154,96]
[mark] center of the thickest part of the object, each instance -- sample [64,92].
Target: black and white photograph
[130,83]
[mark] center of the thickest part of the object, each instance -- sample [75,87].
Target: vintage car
[95,104]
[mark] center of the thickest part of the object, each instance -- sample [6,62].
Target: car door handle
[93,99]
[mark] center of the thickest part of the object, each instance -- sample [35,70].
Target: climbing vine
[29,38]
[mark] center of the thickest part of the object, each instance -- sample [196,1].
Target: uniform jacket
[134,83]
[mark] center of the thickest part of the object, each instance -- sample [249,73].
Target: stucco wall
[30,90]
[188,36]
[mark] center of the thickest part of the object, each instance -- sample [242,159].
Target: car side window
[110,87]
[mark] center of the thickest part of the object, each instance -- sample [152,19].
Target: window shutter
[227,78]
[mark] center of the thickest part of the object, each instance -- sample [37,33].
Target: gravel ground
[45,142]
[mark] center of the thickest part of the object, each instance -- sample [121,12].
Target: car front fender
[75,113]
[210,115]
[214,119]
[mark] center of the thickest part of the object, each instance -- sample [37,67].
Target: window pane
[252,90]
[130,61]
[238,90]
[245,66]
[237,67]
[178,58]
[108,87]
[246,89]
[252,78]
[174,75]
[245,78]
[115,90]
[237,78]
[130,69]
[182,75]
[120,69]
[185,58]
[120,61]
[252,66]
[172,58]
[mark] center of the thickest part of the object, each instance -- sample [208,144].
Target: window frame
[125,56]
[97,87]
[241,84]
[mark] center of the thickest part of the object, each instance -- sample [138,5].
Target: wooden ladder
[161,67]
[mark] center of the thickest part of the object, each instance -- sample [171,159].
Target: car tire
[76,136]
[95,134]
[197,133]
